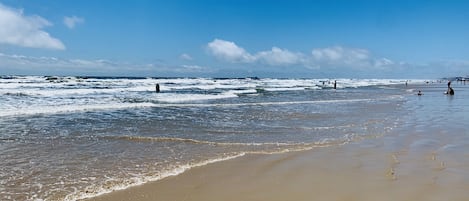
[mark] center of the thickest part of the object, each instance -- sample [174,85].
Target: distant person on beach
[419,93]
[157,88]
[450,90]
[335,84]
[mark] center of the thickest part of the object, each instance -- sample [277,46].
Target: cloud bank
[229,51]
[25,31]
[21,64]
[71,22]
[339,54]
[336,56]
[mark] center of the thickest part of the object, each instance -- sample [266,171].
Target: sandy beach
[373,169]
[234,100]
[425,158]
[372,140]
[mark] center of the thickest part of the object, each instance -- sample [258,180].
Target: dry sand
[387,168]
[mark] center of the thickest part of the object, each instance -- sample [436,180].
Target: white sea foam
[139,181]
[179,169]
[171,101]
[194,141]
[37,95]
[285,89]
[180,98]
[253,125]
[69,108]
[269,103]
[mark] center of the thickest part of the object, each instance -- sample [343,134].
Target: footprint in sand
[395,160]
[441,166]
[391,173]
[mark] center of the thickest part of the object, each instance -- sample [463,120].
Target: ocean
[69,138]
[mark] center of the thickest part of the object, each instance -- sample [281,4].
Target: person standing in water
[450,90]
[157,88]
[335,84]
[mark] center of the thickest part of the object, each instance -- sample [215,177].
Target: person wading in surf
[450,90]
[157,88]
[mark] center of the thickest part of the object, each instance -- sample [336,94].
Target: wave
[194,141]
[288,146]
[200,83]
[275,103]
[15,94]
[69,108]
[268,147]
[181,98]
[179,169]
[50,109]
[139,181]
[8,139]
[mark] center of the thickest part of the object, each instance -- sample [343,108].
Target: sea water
[67,138]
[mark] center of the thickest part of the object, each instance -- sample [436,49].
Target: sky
[236,38]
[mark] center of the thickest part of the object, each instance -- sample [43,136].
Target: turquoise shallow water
[71,138]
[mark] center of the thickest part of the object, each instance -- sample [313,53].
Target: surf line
[260,103]
[194,141]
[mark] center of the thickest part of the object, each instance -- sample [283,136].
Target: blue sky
[220,38]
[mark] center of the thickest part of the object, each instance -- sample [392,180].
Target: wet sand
[424,158]
[372,169]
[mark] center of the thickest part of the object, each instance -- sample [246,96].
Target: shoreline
[371,169]
[393,143]
[422,159]
[188,167]
[175,172]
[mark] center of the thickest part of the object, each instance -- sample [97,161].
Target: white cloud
[340,54]
[335,60]
[278,56]
[193,67]
[336,56]
[26,31]
[12,64]
[229,51]
[186,57]
[71,22]
[43,62]
[353,58]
